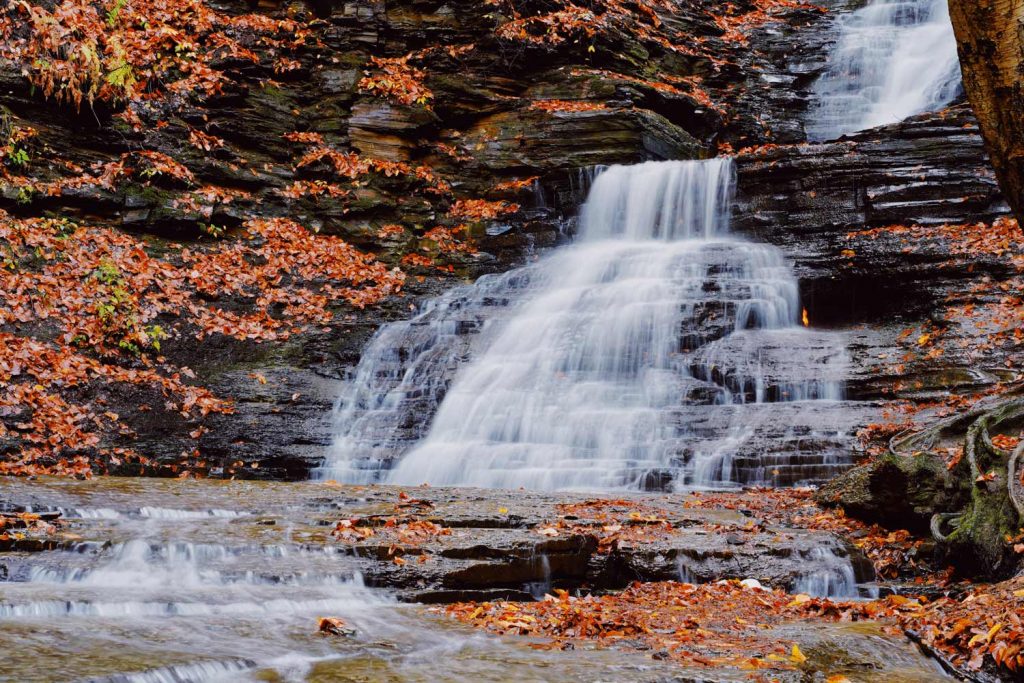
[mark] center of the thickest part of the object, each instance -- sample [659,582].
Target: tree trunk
[990,34]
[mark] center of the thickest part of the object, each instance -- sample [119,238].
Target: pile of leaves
[723,624]
[137,51]
[611,522]
[477,210]
[395,79]
[728,623]
[567,106]
[105,289]
[985,626]
[18,526]
[737,24]
[683,86]
[334,626]
[44,406]
[104,306]
[575,21]
[403,535]
[894,554]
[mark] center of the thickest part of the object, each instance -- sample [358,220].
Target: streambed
[182,580]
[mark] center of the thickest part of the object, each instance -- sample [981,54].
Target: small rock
[335,626]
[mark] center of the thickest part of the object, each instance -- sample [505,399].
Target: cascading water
[225,581]
[199,592]
[893,59]
[656,349]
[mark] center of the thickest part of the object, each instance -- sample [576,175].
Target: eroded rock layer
[504,116]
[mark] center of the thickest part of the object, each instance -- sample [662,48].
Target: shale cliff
[426,142]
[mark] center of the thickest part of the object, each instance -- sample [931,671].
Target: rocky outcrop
[808,198]
[959,480]
[864,221]
[512,120]
[442,545]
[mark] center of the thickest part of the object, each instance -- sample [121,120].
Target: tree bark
[990,34]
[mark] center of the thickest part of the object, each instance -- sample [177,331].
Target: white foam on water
[140,564]
[138,608]
[831,575]
[596,367]
[148,512]
[206,672]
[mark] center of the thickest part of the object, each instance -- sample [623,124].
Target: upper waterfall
[893,59]
[668,200]
[655,350]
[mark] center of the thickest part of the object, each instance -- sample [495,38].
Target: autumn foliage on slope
[553,23]
[110,305]
[94,315]
[83,51]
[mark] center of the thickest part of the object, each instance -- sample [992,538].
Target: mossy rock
[894,491]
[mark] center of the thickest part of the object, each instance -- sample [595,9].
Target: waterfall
[893,59]
[831,575]
[654,350]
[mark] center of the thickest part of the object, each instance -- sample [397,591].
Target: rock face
[510,120]
[841,212]
[929,170]
[434,545]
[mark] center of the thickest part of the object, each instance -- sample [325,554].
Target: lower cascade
[655,352]
[893,59]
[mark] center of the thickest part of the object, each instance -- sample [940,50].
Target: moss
[147,195]
[895,491]
[978,545]
[272,93]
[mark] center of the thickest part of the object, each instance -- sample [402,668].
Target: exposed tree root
[988,477]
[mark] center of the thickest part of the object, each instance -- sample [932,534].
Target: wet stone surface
[485,543]
[206,580]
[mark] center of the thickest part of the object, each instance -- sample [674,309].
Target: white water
[893,59]
[161,606]
[234,598]
[656,346]
[832,576]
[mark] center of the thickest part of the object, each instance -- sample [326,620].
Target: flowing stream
[176,581]
[893,59]
[170,581]
[656,351]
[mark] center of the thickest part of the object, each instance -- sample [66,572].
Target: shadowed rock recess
[513,120]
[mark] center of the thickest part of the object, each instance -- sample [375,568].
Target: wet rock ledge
[427,545]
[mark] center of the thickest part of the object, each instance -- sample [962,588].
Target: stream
[168,581]
[892,59]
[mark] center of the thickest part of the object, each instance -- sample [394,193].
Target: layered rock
[845,212]
[529,112]
[435,545]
